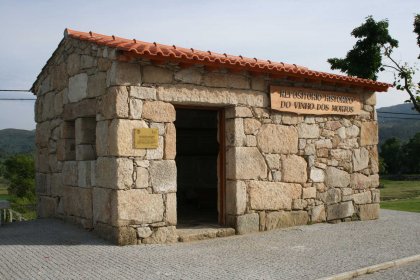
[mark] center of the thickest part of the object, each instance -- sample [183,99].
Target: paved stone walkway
[51,249]
[405,272]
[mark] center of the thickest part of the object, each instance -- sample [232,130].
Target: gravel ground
[51,249]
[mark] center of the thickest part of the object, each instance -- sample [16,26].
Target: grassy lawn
[400,195]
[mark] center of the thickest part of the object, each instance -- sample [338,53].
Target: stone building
[136,140]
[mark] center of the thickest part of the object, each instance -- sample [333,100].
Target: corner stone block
[170,142]
[235,197]
[245,163]
[126,236]
[114,173]
[340,211]
[369,134]
[58,104]
[362,198]
[158,111]
[121,137]
[78,87]
[360,159]
[277,139]
[171,213]
[273,195]
[104,207]
[163,176]
[114,104]
[48,106]
[42,134]
[137,206]
[102,138]
[359,181]
[370,98]
[123,74]
[42,161]
[235,135]
[247,223]
[369,212]
[41,184]
[117,235]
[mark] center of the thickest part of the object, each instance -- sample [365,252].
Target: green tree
[20,172]
[392,155]
[382,166]
[365,60]
[411,152]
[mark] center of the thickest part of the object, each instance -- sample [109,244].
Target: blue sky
[303,32]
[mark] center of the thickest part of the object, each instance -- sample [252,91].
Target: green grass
[400,195]
[410,205]
[21,205]
[4,194]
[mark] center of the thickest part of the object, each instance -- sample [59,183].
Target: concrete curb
[372,269]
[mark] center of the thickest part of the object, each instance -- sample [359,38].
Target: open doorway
[197,150]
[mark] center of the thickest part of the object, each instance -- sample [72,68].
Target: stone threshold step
[202,233]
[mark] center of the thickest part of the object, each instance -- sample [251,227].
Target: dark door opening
[197,151]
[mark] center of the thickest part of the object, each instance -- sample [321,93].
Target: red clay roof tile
[174,53]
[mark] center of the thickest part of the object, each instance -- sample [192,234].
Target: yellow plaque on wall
[146,138]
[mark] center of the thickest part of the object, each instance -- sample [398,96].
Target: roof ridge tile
[173,52]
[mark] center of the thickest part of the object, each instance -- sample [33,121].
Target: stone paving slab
[405,272]
[51,249]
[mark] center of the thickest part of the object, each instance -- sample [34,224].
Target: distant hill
[399,126]
[13,141]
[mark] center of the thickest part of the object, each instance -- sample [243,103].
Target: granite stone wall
[281,169]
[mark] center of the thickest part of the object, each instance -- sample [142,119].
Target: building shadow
[47,232]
